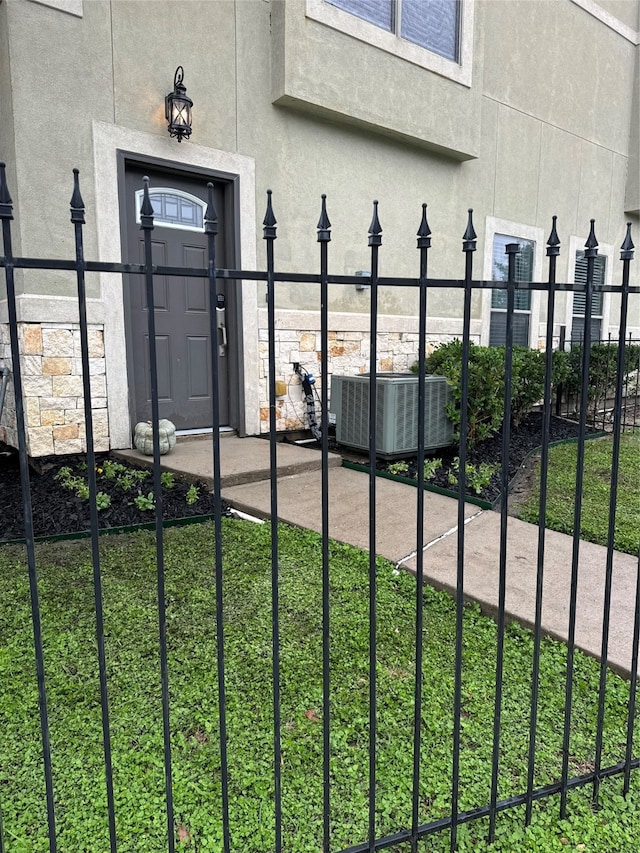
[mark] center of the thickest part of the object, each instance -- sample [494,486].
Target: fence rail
[411,835]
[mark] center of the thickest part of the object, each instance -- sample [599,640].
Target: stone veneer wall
[51,367]
[348,355]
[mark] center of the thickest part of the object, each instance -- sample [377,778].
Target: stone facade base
[348,355]
[53,399]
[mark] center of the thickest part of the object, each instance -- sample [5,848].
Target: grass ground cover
[66,590]
[561,490]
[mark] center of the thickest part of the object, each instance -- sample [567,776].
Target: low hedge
[486,369]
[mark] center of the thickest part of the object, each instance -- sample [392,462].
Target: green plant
[431,467]
[168,479]
[103,501]
[127,482]
[192,494]
[128,478]
[454,471]
[75,484]
[112,469]
[486,372]
[527,384]
[398,468]
[82,490]
[603,367]
[479,477]
[145,502]
[64,473]
[130,594]
[476,477]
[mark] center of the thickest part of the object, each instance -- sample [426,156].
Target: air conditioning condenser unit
[396,415]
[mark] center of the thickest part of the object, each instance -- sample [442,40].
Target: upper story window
[431,24]
[434,34]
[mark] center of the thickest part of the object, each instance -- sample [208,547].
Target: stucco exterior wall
[543,123]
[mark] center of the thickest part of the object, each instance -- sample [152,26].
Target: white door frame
[108,140]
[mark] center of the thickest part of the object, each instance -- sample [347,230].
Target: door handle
[221,326]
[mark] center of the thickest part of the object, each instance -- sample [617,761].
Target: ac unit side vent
[396,413]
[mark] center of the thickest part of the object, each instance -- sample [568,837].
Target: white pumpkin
[143,437]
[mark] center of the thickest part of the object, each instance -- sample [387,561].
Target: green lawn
[561,490]
[66,590]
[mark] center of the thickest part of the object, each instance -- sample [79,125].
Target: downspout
[4,372]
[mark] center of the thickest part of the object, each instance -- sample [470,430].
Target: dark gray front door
[181,304]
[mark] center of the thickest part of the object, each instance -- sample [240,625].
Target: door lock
[221,324]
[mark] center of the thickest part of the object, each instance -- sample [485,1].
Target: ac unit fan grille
[396,413]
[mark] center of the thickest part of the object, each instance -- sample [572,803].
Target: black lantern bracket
[178,108]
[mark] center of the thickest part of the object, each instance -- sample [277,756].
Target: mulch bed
[57,510]
[524,439]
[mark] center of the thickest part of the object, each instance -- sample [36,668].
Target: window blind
[378,12]
[599,271]
[580,299]
[524,271]
[432,24]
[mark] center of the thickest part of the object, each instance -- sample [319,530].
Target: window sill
[321,70]
[357,28]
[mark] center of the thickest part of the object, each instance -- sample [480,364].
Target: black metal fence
[603,374]
[467,285]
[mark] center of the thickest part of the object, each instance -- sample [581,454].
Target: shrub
[486,371]
[485,410]
[603,364]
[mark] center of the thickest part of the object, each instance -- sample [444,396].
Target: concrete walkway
[245,473]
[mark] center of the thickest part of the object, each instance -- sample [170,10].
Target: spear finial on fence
[269,220]
[146,211]
[323,226]
[375,229]
[424,232]
[469,237]
[553,243]
[591,246]
[210,215]
[626,250]
[6,205]
[76,203]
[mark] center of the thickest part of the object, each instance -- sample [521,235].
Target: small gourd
[143,437]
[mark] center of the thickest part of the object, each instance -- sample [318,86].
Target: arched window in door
[174,208]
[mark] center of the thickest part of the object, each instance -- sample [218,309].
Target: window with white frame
[524,272]
[431,24]
[580,299]
[434,34]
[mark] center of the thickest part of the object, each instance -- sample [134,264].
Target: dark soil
[57,510]
[525,438]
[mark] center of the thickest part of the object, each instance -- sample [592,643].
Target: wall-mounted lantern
[178,108]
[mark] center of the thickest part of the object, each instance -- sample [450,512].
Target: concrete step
[244,460]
